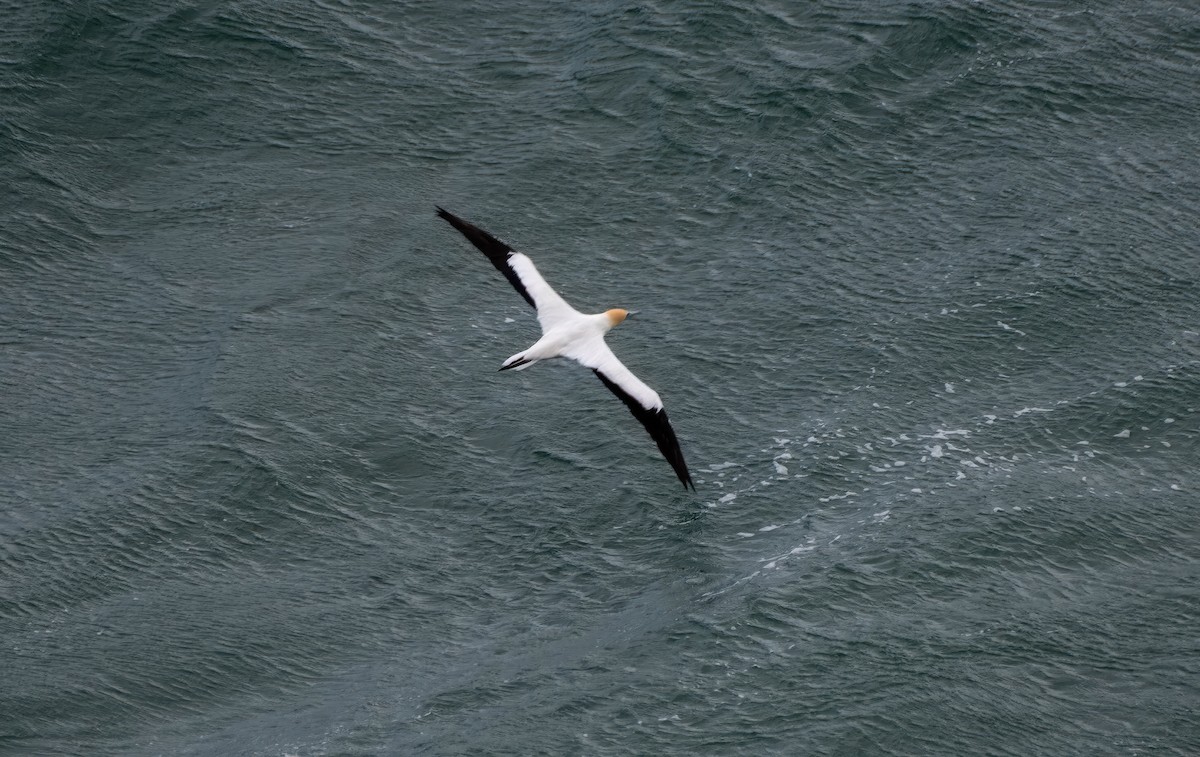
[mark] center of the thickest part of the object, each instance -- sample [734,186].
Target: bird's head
[616,315]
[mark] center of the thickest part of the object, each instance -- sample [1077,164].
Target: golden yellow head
[616,315]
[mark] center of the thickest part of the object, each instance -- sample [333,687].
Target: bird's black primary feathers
[495,250]
[655,421]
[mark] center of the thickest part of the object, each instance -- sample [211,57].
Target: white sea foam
[889,469]
[944,434]
[1025,410]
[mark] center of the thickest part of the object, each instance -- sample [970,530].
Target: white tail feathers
[518,362]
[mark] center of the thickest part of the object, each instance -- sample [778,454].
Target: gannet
[568,333]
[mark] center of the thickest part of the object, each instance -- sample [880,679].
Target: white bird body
[579,336]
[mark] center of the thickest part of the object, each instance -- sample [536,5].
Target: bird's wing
[518,269]
[641,400]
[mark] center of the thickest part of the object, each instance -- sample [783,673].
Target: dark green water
[918,283]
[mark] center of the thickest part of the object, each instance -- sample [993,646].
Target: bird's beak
[631,312]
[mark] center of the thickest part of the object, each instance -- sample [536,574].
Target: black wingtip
[656,422]
[686,477]
[492,248]
[452,219]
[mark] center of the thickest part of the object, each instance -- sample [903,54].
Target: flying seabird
[568,333]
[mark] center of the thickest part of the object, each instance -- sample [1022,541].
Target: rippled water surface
[918,283]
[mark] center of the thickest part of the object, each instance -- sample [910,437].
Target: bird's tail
[518,361]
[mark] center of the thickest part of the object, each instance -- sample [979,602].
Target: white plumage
[579,336]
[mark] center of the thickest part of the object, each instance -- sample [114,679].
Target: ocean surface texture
[919,283]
